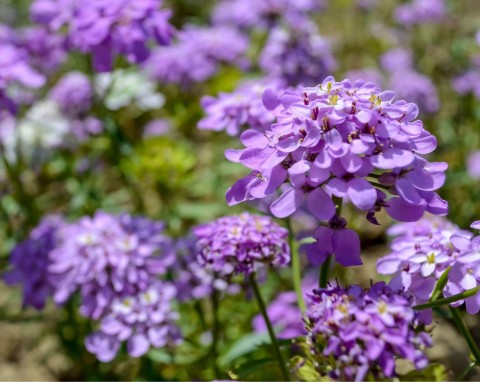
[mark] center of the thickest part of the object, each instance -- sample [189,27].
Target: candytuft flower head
[422,251]
[342,139]
[106,28]
[364,330]
[107,257]
[73,93]
[244,107]
[143,321]
[241,244]
[30,261]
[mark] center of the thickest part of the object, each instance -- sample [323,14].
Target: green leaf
[448,300]
[243,346]
[433,372]
[440,285]
[305,370]
[247,368]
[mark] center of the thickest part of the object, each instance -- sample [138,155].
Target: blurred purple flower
[421,12]
[243,107]
[197,54]
[397,59]
[143,321]
[473,164]
[30,261]
[241,244]
[73,93]
[365,331]
[298,56]
[157,127]
[107,256]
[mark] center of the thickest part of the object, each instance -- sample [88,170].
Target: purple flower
[15,70]
[73,93]
[368,75]
[197,54]
[335,239]
[422,251]
[398,59]
[364,331]
[241,244]
[105,257]
[338,139]
[233,111]
[299,56]
[30,261]
[143,321]
[192,279]
[421,12]
[473,164]
[106,28]
[284,313]
[468,82]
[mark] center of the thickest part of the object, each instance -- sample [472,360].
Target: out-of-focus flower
[264,13]
[107,256]
[192,279]
[73,93]
[365,331]
[397,59]
[233,111]
[106,28]
[122,88]
[30,261]
[468,82]
[157,127]
[421,12]
[473,164]
[298,56]
[422,251]
[15,71]
[241,244]
[197,54]
[143,321]
[284,313]
[330,140]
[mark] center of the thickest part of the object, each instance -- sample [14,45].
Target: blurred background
[136,146]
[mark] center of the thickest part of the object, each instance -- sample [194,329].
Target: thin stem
[465,372]
[276,347]
[323,279]
[378,185]
[457,318]
[448,300]
[216,332]
[296,269]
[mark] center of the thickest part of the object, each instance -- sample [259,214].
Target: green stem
[216,332]
[457,318]
[378,185]
[465,372]
[448,300]
[323,279]
[296,269]
[276,347]
[440,285]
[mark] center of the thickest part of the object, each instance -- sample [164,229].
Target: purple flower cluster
[298,56]
[365,331]
[106,28]
[241,244]
[473,164]
[30,260]
[143,321]
[15,71]
[243,107]
[192,279]
[422,251]
[264,13]
[107,257]
[197,54]
[421,12]
[340,139]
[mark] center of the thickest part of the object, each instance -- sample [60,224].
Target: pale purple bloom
[107,256]
[421,12]
[422,251]
[473,164]
[73,93]
[243,107]
[329,140]
[365,331]
[197,54]
[241,244]
[157,127]
[107,28]
[30,261]
[417,88]
[397,59]
[468,82]
[142,321]
[298,56]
